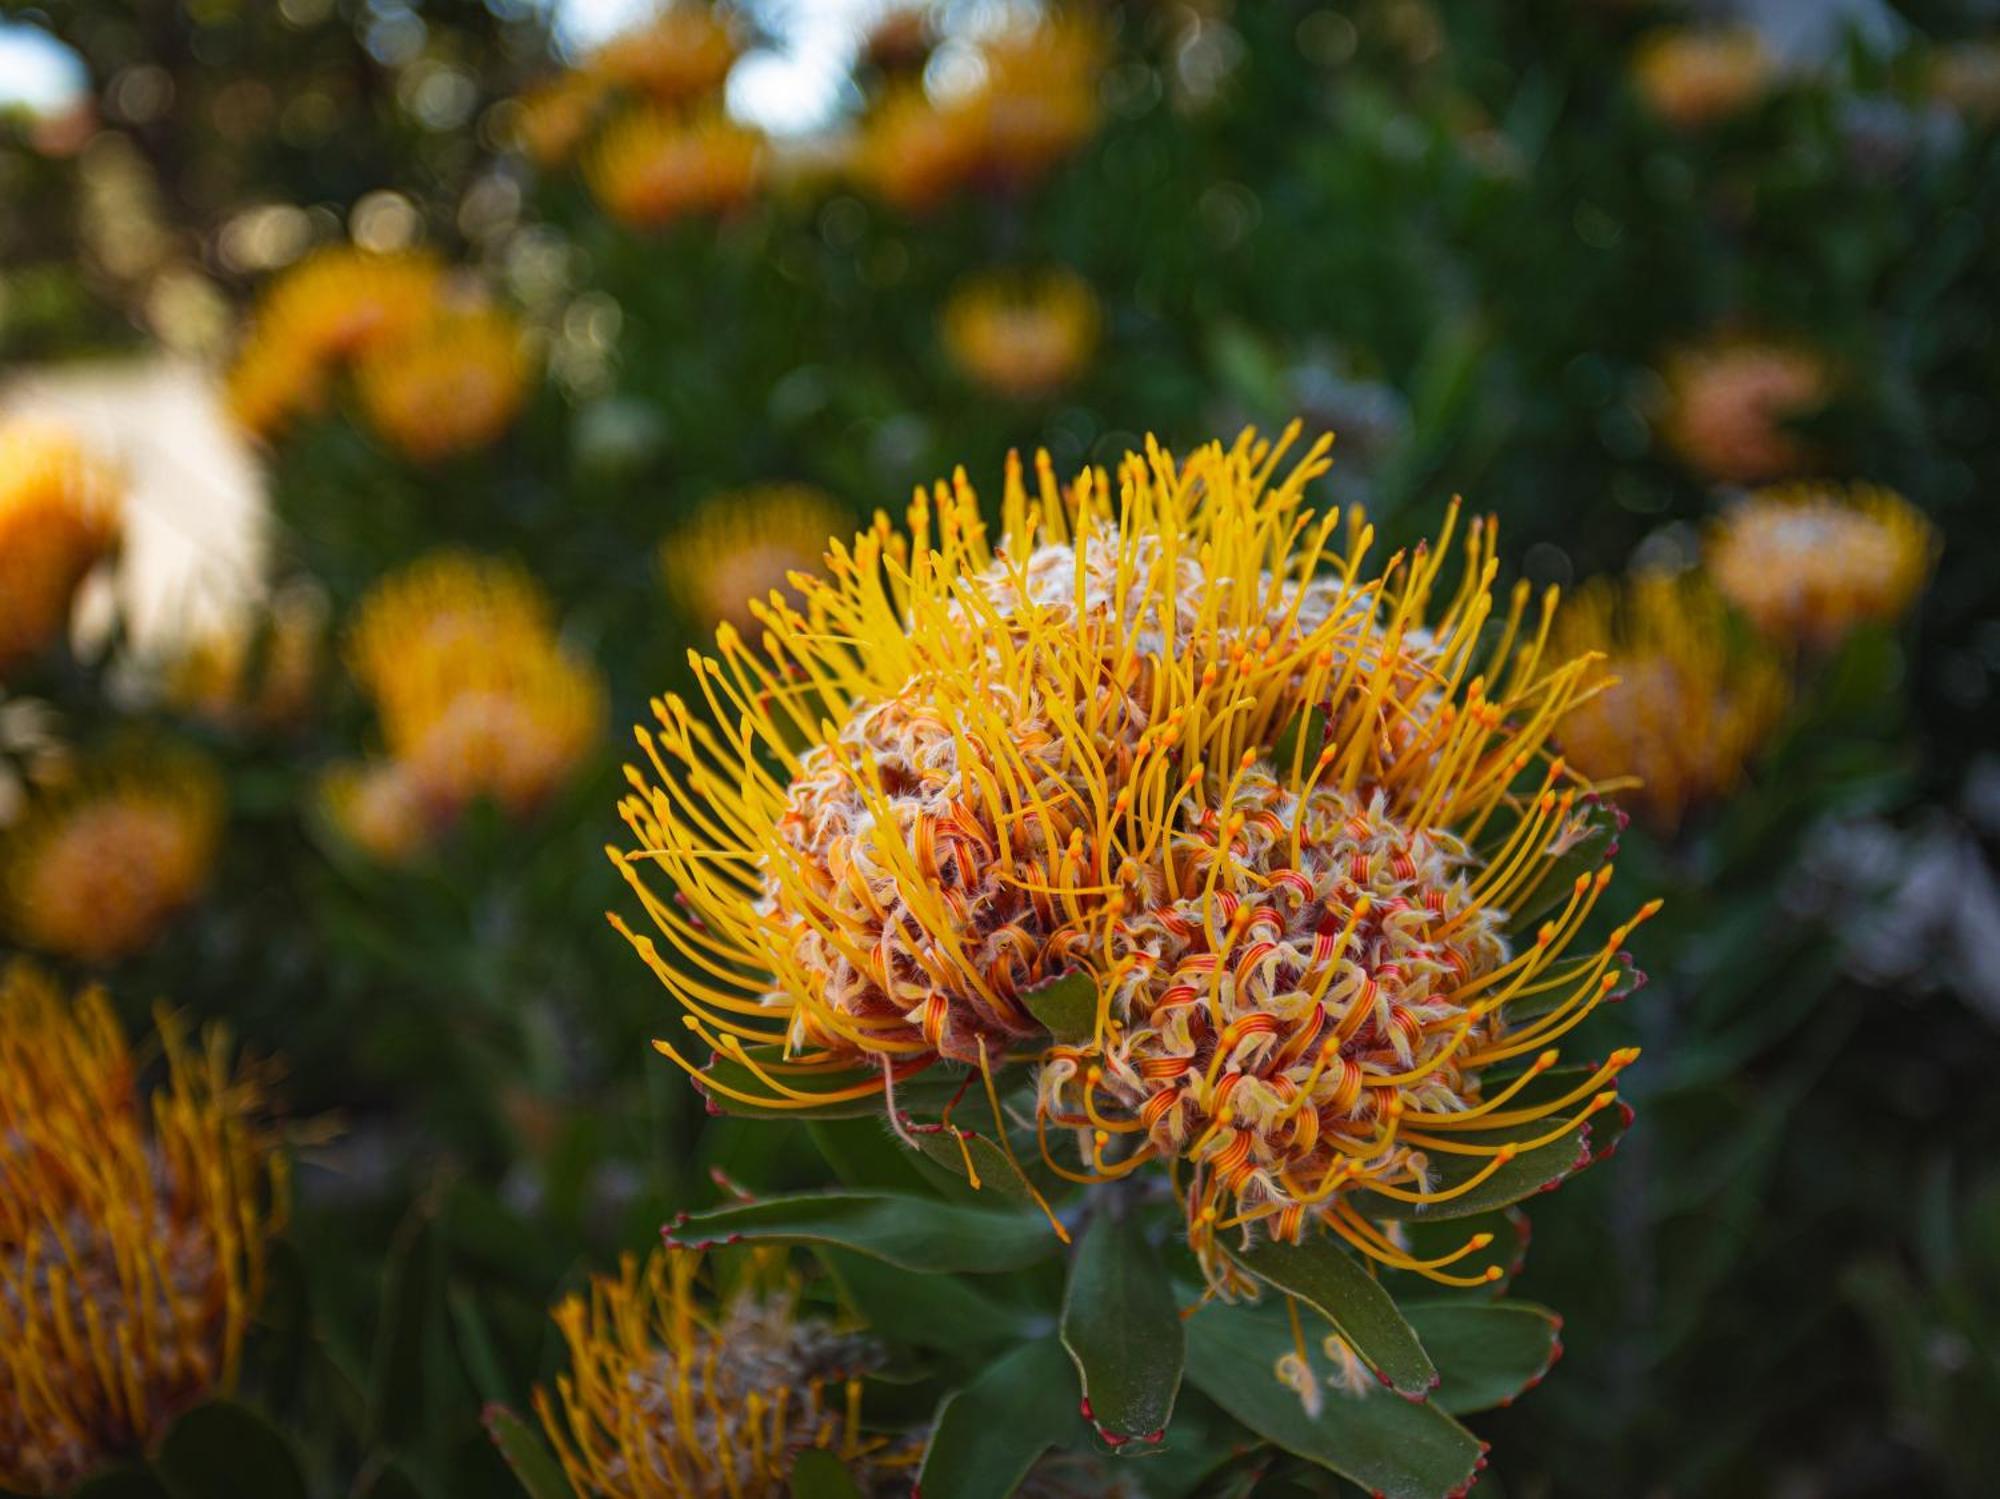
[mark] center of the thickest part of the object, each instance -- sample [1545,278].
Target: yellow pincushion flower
[1691,704]
[58,520]
[1022,336]
[743,545]
[684,51]
[333,306]
[99,866]
[652,166]
[675,1393]
[1732,403]
[475,694]
[132,1231]
[380,809]
[452,384]
[955,771]
[1035,104]
[1692,77]
[1808,563]
[552,119]
[1039,99]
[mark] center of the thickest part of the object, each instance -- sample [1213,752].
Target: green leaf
[527,1455]
[994,1169]
[223,1450]
[818,1474]
[1586,839]
[1532,1171]
[1123,1330]
[926,1311]
[1330,1281]
[399,1383]
[1487,1353]
[989,1434]
[913,1232]
[922,1094]
[1393,1447]
[1067,1006]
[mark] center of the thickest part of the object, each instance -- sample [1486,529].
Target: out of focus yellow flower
[333,306]
[913,154]
[99,865]
[258,672]
[1808,563]
[59,518]
[133,1231]
[1175,732]
[675,1391]
[380,809]
[552,119]
[1039,100]
[1693,77]
[452,384]
[1731,403]
[745,545]
[683,52]
[651,166]
[1965,77]
[475,695]
[1693,702]
[1035,104]
[1022,336]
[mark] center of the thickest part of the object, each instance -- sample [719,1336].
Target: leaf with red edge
[1487,1352]
[1123,1330]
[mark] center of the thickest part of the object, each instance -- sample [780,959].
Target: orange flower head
[1686,704]
[132,1232]
[1289,814]
[651,167]
[475,694]
[1039,100]
[1732,403]
[675,1393]
[450,385]
[552,119]
[913,154]
[685,51]
[58,519]
[1022,337]
[380,809]
[1693,77]
[333,306]
[99,866]
[1808,563]
[746,545]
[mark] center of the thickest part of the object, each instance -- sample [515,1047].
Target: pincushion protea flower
[1693,77]
[452,384]
[99,865]
[651,166]
[1731,404]
[551,119]
[1282,809]
[1809,562]
[683,51]
[1022,336]
[475,694]
[1035,104]
[132,1231]
[331,307]
[672,1391]
[742,545]
[1690,705]
[58,520]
